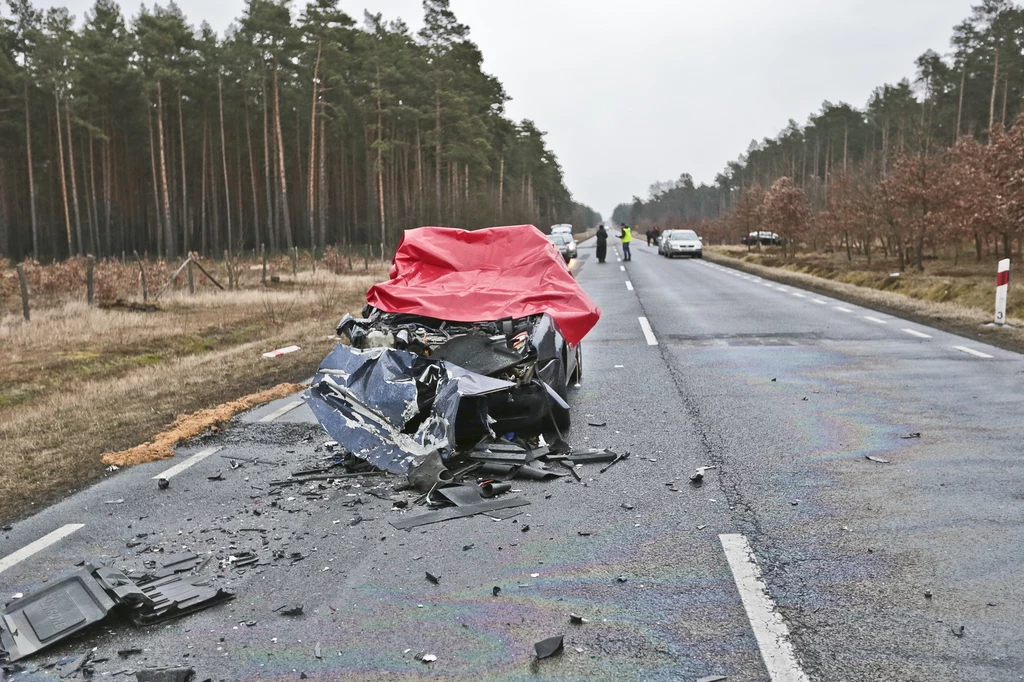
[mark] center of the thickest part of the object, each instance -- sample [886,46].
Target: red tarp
[484,276]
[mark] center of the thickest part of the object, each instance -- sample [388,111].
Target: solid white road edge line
[648,332]
[193,460]
[280,411]
[875,320]
[920,335]
[971,351]
[42,543]
[629,285]
[769,629]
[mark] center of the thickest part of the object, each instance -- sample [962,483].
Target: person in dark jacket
[602,243]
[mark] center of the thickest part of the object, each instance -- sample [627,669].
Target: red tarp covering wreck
[484,275]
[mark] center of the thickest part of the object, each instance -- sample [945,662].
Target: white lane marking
[618,260]
[39,545]
[799,295]
[842,309]
[782,288]
[975,353]
[769,629]
[820,302]
[280,411]
[875,320]
[622,267]
[191,461]
[766,284]
[920,335]
[648,332]
[629,285]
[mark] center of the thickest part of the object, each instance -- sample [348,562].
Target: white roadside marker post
[1002,288]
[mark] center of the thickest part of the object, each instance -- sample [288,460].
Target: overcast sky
[639,91]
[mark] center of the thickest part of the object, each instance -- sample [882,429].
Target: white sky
[640,91]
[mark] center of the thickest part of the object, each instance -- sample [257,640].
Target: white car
[561,229]
[684,243]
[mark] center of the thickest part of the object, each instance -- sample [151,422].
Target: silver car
[683,243]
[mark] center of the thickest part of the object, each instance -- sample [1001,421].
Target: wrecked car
[475,335]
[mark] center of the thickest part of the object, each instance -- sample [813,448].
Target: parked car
[762,237]
[684,243]
[565,244]
[662,241]
[563,228]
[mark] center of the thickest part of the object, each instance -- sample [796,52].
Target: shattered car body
[412,383]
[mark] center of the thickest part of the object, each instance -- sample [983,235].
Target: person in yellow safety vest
[627,237]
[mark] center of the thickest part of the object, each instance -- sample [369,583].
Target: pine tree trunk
[960,104]
[165,195]
[282,180]
[437,160]
[268,164]
[156,181]
[185,227]
[203,244]
[322,176]
[224,161]
[31,176]
[94,223]
[311,179]
[107,237]
[992,102]
[73,175]
[501,190]
[252,178]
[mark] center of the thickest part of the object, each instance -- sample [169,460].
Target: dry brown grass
[961,316]
[188,426]
[77,382]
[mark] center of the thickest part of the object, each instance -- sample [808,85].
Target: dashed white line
[842,309]
[280,411]
[920,335]
[39,545]
[191,461]
[769,629]
[875,320]
[971,351]
[648,332]
[798,295]
[820,302]
[629,285]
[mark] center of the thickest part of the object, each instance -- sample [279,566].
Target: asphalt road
[787,393]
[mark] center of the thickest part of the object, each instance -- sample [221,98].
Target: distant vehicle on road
[764,238]
[565,244]
[683,243]
[563,228]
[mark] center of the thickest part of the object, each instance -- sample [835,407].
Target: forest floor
[955,297]
[79,381]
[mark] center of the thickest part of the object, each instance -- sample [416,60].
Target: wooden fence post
[24,292]
[142,278]
[295,262]
[90,266]
[263,258]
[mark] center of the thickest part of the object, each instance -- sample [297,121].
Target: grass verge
[951,316]
[81,381]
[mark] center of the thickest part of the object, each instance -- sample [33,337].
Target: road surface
[872,567]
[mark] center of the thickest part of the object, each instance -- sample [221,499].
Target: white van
[561,229]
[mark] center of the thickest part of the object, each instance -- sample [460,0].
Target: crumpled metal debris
[86,597]
[409,387]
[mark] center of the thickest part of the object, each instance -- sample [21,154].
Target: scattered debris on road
[87,597]
[880,460]
[911,436]
[549,647]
